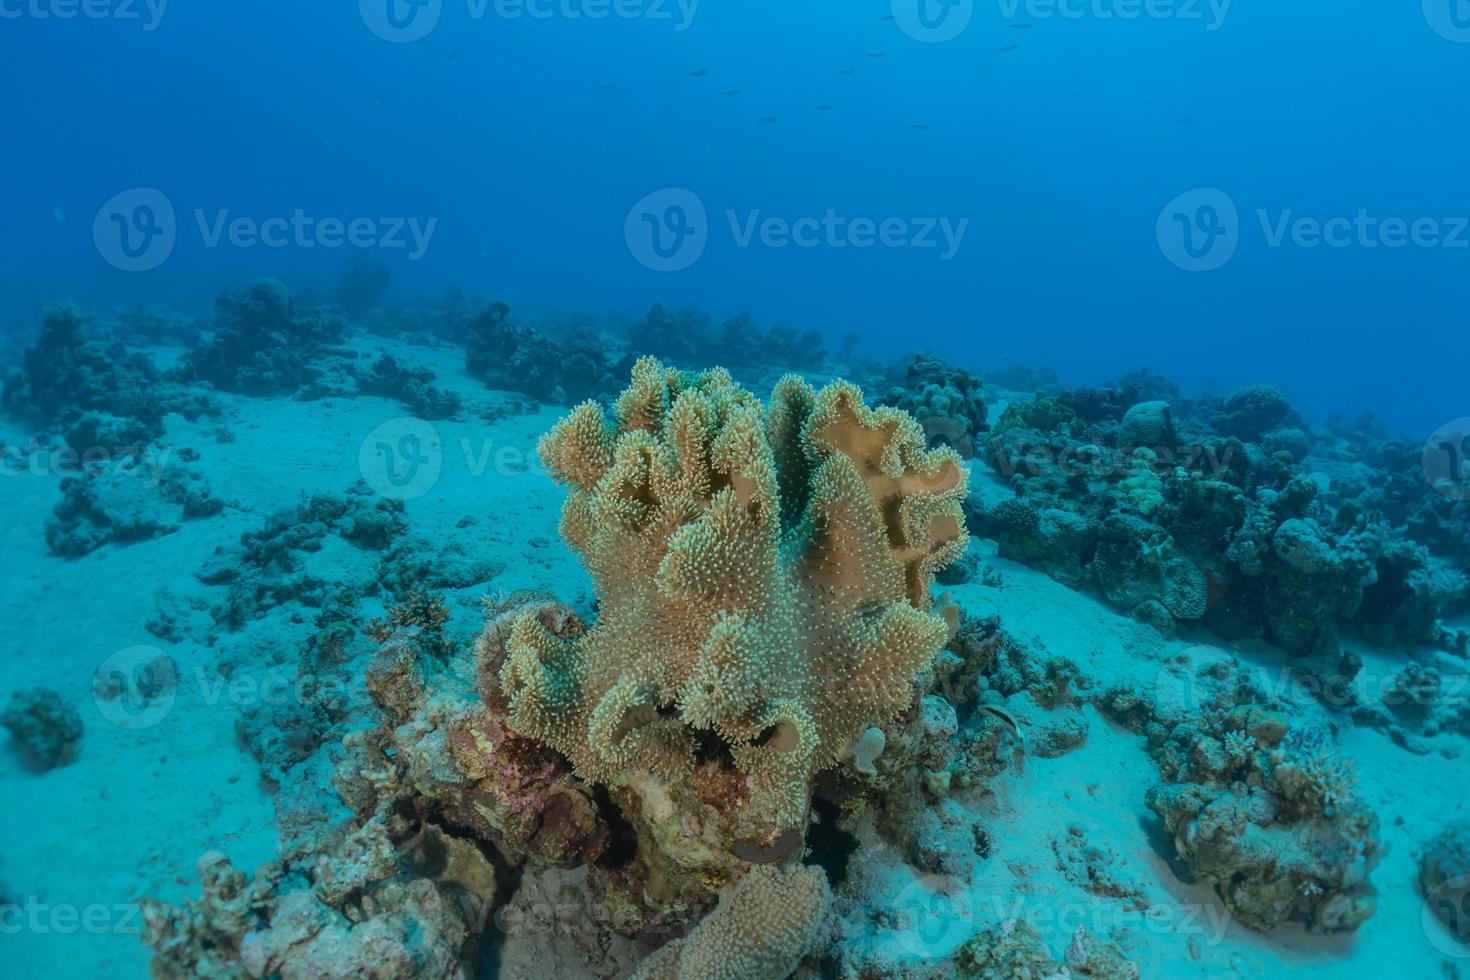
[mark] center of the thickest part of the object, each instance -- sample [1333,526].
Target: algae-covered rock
[44,727]
[1444,880]
[1275,828]
[1016,951]
[1148,425]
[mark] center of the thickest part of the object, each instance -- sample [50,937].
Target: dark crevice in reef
[430,862]
[622,839]
[710,747]
[831,847]
[507,883]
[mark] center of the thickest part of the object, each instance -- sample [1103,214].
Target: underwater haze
[1054,133]
[682,489]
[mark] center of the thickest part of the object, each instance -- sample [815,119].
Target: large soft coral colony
[763,579]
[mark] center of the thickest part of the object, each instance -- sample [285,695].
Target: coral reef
[946,401]
[1173,518]
[515,358]
[124,501]
[760,930]
[744,561]
[103,401]
[438,795]
[1263,810]
[349,913]
[266,569]
[64,375]
[262,345]
[1016,949]
[412,386]
[43,727]
[687,338]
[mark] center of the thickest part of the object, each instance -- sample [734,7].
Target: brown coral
[762,576]
[761,929]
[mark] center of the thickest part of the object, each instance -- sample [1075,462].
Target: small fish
[1020,27]
[1009,47]
[875,54]
[824,107]
[1018,755]
[768,119]
[605,86]
[847,71]
[452,56]
[58,215]
[886,17]
[731,91]
[918,126]
[698,73]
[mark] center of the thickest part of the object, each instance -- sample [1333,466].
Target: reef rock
[45,728]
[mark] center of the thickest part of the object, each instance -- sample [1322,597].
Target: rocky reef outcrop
[947,401]
[262,344]
[687,337]
[513,357]
[1210,512]
[44,728]
[1262,807]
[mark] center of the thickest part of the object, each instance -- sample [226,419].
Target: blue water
[1060,155]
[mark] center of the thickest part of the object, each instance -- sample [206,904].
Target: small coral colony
[781,696]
